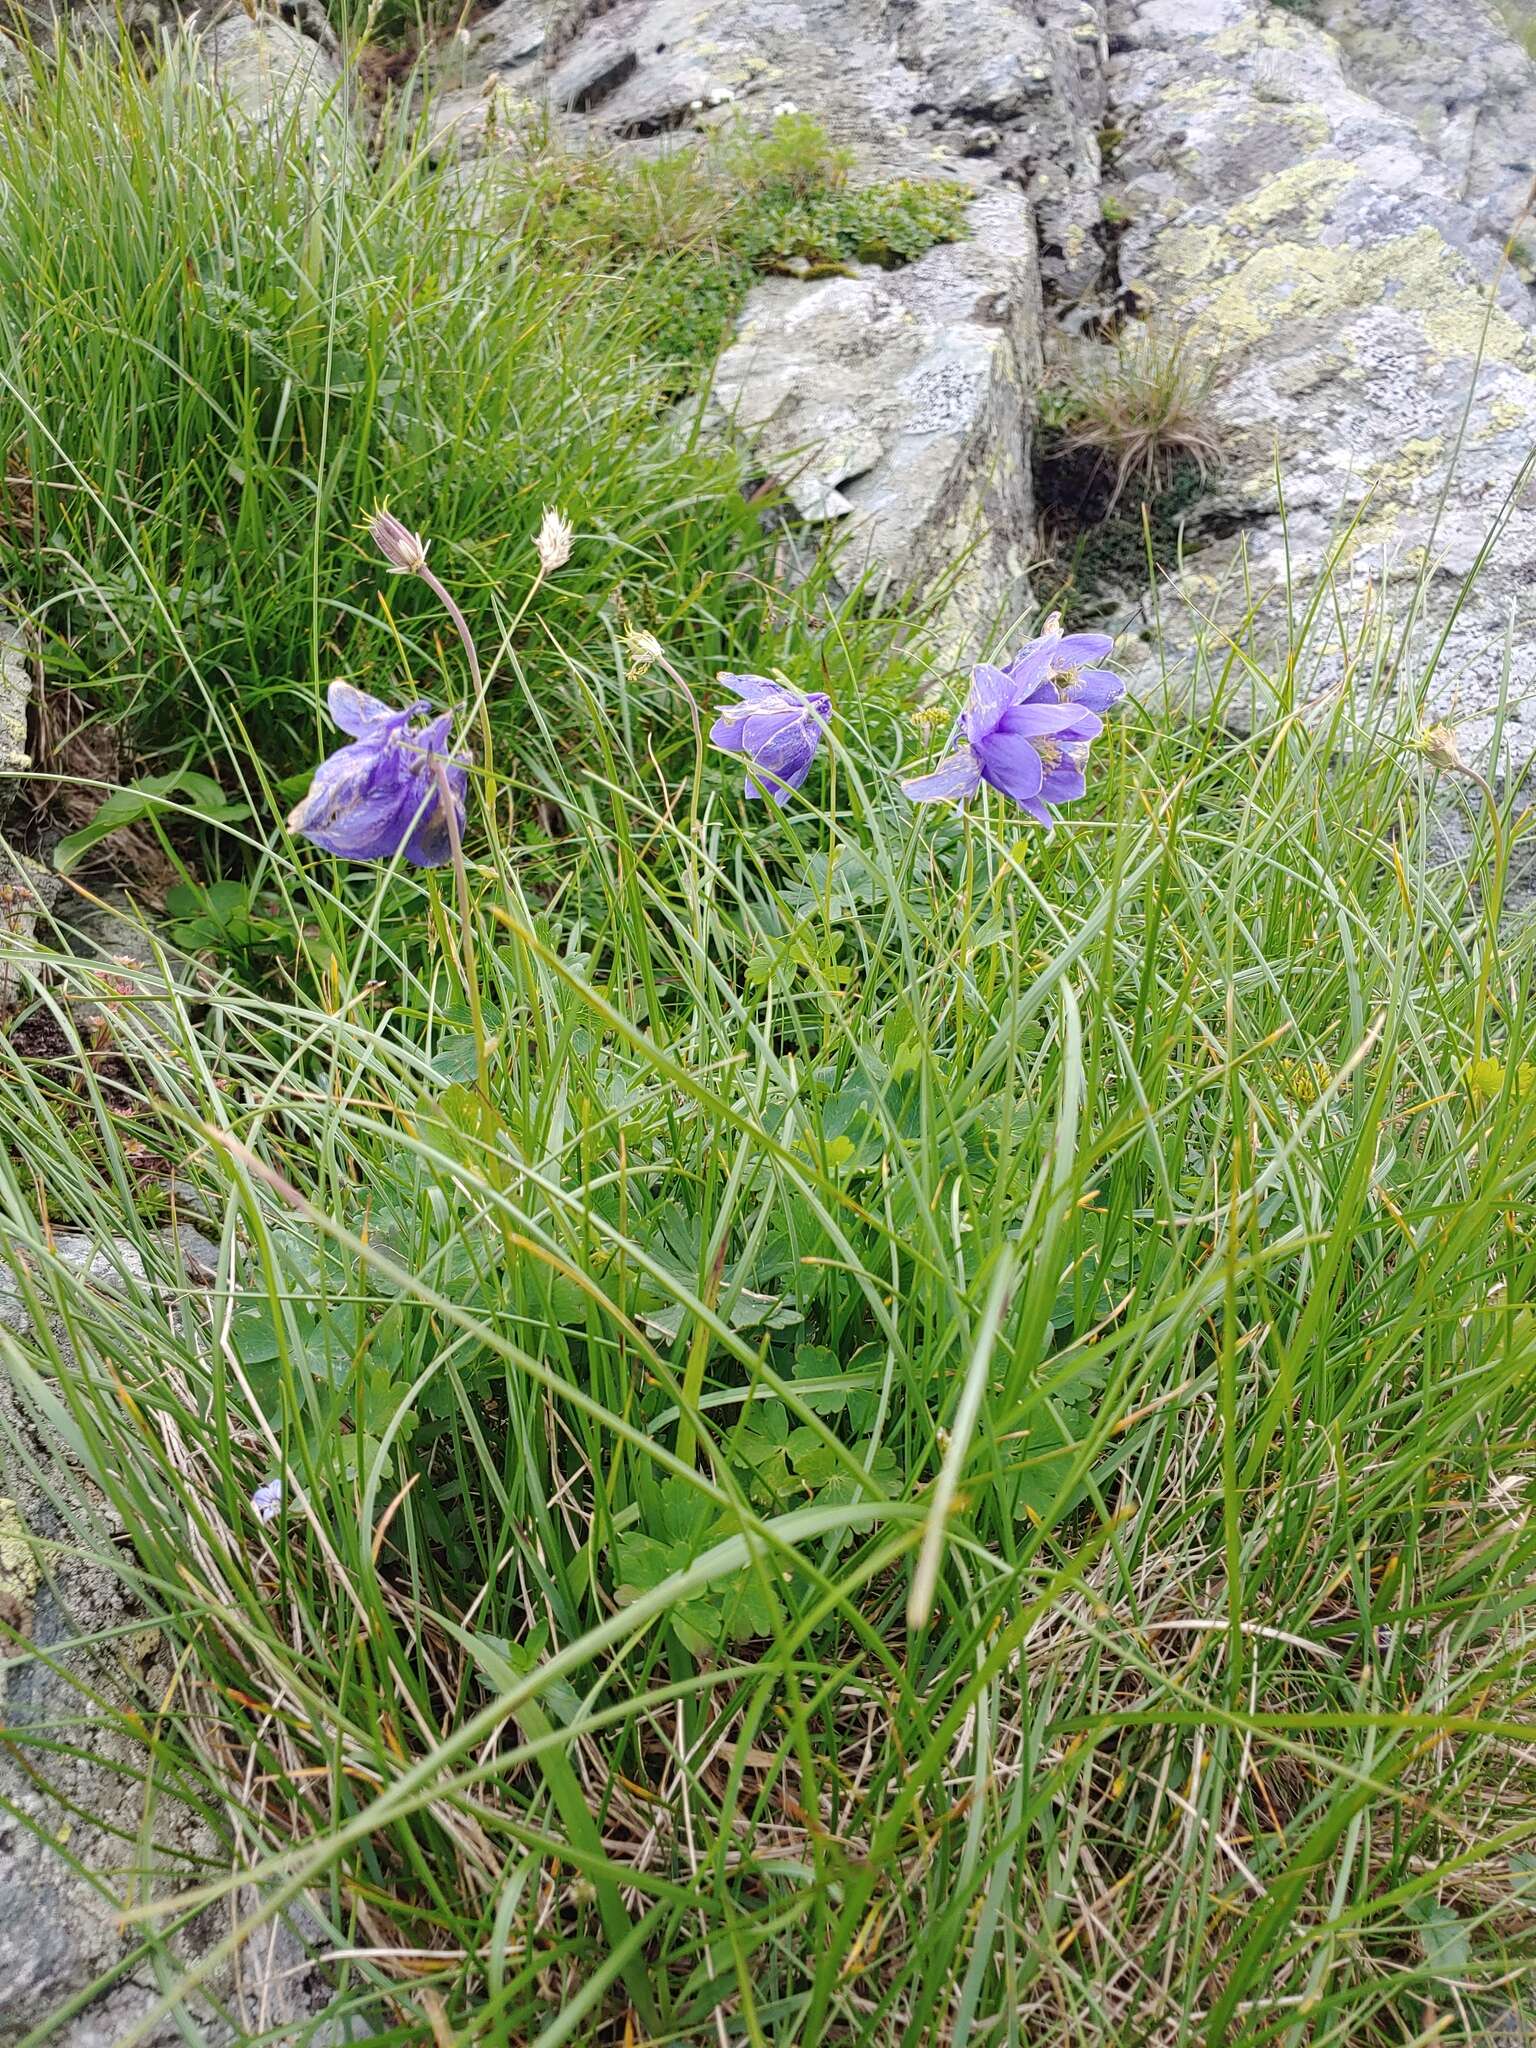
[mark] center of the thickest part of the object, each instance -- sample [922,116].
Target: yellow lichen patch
[1429,277]
[1286,281]
[1306,188]
[1501,416]
[1398,483]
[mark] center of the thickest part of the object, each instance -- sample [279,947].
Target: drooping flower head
[404,551]
[777,728]
[1026,729]
[381,796]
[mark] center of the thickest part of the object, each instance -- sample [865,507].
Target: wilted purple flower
[777,728]
[1031,749]
[382,795]
[267,1501]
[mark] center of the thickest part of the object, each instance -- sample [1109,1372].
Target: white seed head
[553,540]
[405,552]
[784,109]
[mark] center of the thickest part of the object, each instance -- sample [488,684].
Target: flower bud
[405,552]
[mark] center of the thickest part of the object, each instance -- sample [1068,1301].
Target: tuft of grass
[1520,19]
[1138,406]
[924,1437]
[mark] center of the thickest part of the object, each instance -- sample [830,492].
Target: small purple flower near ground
[381,796]
[1026,728]
[267,1501]
[777,728]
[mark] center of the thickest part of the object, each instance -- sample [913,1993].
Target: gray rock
[904,398]
[1040,78]
[592,73]
[70,1717]
[980,58]
[1469,95]
[126,998]
[16,655]
[27,892]
[1309,241]
[510,35]
[272,78]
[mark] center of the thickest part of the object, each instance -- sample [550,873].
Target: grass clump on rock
[215,343]
[686,233]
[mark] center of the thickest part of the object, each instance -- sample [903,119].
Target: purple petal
[1095,688]
[353,806]
[763,729]
[1035,720]
[762,688]
[1030,669]
[1073,649]
[992,691]
[727,729]
[429,843]
[1063,783]
[781,754]
[1038,812]
[357,713]
[1011,764]
[952,781]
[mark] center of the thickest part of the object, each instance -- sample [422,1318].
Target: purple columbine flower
[1066,661]
[1031,750]
[777,728]
[381,796]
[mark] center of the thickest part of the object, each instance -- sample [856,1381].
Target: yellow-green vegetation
[686,235]
[1520,19]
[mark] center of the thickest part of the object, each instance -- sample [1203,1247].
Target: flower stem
[468,966]
[479,710]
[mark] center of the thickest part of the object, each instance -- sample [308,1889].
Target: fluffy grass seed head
[553,541]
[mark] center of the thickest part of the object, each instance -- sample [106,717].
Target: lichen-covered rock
[1035,78]
[15,696]
[1366,351]
[894,406]
[899,402]
[27,892]
[1468,90]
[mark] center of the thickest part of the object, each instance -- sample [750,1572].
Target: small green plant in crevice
[1308,10]
[1095,555]
[1125,441]
[1138,408]
[684,236]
